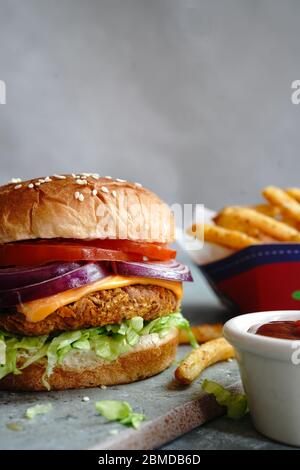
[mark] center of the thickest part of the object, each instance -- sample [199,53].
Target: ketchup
[280,329]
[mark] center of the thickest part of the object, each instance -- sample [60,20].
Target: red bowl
[257,278]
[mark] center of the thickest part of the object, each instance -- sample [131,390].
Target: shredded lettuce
[14,426]
[134,420]
[38,410]
[2,351]
[108,342]
[115,410]
[13,345]
[236,403]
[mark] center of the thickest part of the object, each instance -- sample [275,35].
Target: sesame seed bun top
[82,206]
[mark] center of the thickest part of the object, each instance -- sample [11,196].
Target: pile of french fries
[275,221]
[236,227]
[214,348]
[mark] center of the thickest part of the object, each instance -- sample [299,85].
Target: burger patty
[97,309]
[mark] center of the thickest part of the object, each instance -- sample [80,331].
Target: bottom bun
[83,369]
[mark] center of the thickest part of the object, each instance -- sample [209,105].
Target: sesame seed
[79,181]
[79,196]
[104,189]
[145,258]
[37,183]
[15,180]
[103,387]
[108,177]
[120,180]
[18,186]
[47,179]
[86,399]
[73,174]
[94,192]
[60,177]
[138,185]
[42,181]
[85,174]
[114,193]
[30,185]
[95,175]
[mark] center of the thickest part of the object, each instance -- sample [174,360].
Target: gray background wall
[189,97]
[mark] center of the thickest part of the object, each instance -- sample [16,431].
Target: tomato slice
[45,251]
[155,251]
[30,254]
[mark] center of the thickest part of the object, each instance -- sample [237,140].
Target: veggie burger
[89,288]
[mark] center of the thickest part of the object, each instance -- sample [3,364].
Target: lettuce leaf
[14,426]
[134,420]
[236,403]
[2,351]
[14,344]
[162,326]
[108,342]
[38,410]
[10,365]
[115,410]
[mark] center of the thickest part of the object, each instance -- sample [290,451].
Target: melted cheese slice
[37,310]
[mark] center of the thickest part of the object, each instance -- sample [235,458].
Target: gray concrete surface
[192,92]
[225,434]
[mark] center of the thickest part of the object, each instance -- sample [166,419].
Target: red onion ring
[168,270]
[47,280]
[78,277]
[11,278]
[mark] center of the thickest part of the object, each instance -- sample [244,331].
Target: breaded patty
[99,308]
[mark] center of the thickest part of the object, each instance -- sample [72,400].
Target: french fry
[294,193]
[229,219]
[282,199]
[228,238]
[266,209]
[273,228]
[207,354]
[202,333]
[238,227]
[271,211]
[286,219]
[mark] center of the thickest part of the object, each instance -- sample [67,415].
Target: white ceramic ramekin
[270,371]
